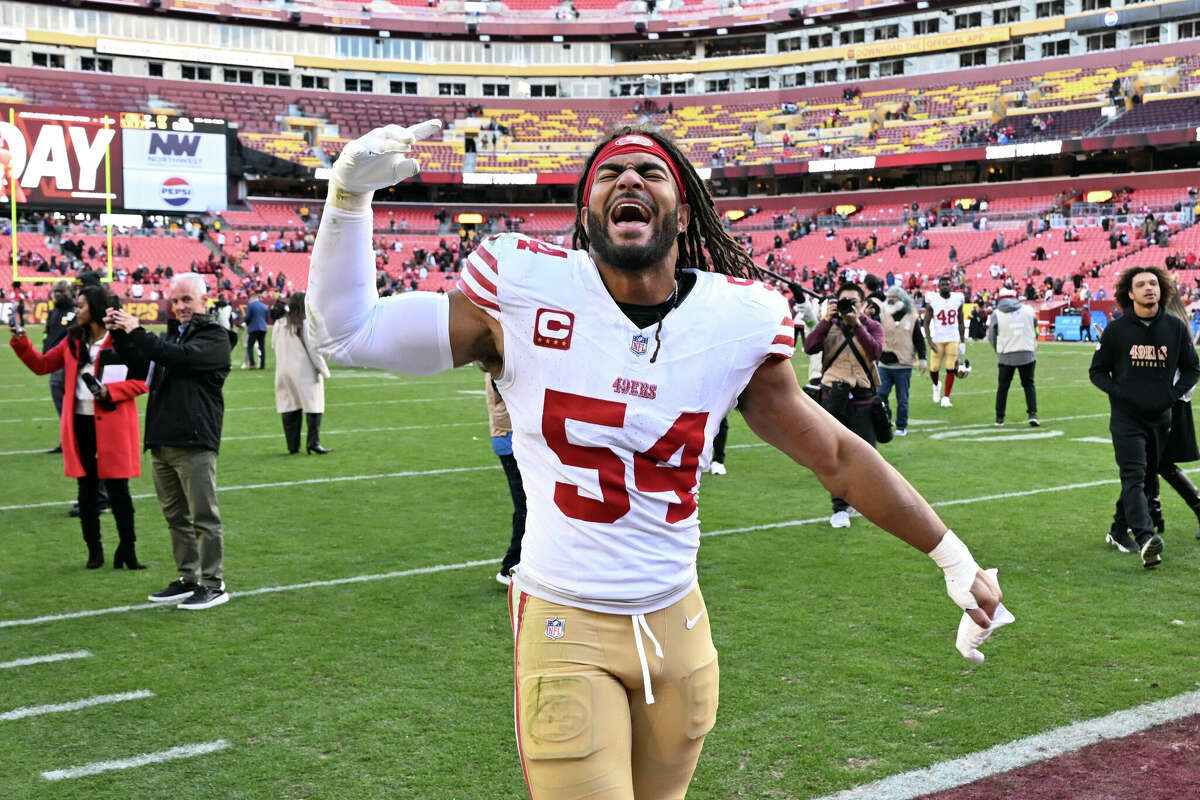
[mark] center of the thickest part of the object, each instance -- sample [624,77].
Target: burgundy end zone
[1161,763]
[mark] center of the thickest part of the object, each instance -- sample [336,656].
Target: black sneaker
[176,590]
[1122,541]
[206,597]
[1033,421]
[1152,547]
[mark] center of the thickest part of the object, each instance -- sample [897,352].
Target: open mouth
[630,214]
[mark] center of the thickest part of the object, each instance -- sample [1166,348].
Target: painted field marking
[186,751]
[25,662]
[328,433]
[1093,439]
[347,431]
[1030,750]
[305,482]
[74,705]
[994,435]
[12,623]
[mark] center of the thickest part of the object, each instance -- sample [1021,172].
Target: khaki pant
[585,728]
[185,479]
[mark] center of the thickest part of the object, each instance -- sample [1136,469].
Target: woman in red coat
[99,430]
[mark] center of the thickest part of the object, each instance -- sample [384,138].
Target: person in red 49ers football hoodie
[99,424]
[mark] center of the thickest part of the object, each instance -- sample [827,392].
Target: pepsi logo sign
[175,191]
[1111,18]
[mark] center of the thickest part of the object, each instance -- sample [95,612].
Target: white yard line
[1040,747]
[271,408]
[480,423]
[25,662]
[74,705]
[468,564]
[305,482]
[186,751]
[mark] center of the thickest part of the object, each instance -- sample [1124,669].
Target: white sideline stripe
[1040,747]
[186,751]
[305,482]
[25,662]
[22,452]
[12,623]
[1093,439]
[74,705]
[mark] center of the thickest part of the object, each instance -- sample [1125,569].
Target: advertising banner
[174,170]
[59,156]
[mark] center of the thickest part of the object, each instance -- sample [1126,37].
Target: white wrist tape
[342,198]
[959,567]
[348,322]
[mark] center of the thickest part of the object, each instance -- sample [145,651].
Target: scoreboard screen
[70,159]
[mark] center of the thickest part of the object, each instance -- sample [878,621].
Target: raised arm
[783,416]
[415,333]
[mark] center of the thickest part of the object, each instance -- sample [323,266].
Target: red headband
[632,143]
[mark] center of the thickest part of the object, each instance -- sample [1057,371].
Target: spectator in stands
[256,331]
[99,426]
[952,255]
[300,375]
[183,433]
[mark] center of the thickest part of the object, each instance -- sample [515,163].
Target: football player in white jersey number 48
[617,360]
[944,330]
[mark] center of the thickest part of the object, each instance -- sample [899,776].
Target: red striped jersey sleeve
[782,342]
[479,279]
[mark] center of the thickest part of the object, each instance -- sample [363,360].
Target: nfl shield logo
[554,628]
[639,345]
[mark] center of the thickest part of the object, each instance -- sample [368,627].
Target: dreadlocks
[704,239]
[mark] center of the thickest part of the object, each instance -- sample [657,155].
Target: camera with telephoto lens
[845,305]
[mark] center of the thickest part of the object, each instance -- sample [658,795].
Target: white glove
[971,635]
[962,349]
[379,159]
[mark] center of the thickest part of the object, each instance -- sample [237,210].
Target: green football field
[366,651]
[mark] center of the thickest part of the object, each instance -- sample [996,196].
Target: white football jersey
[611,446]
[943,325]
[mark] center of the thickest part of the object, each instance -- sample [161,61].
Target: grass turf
[837,655]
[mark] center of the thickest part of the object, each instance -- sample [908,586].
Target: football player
[944,331]
[618,359]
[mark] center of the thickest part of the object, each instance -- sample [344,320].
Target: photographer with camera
[850,343]
[99,425]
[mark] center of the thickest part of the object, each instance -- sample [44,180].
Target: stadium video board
[59,156]
[173,163]
[78,159]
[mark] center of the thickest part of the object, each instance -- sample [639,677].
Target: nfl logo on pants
[554,628]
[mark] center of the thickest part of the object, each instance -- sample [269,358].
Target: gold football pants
[586,726]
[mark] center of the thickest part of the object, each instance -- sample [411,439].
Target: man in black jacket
[186,370]
[1139,357]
